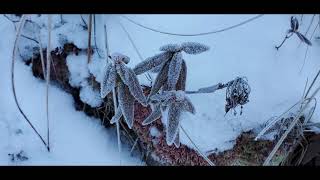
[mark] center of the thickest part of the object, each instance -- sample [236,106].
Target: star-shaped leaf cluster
[170,65]
[177,103]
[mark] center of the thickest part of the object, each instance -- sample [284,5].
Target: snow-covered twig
[210,89]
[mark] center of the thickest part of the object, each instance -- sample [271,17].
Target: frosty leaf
[194,48]
[171,98]
[160,79]
[188,106]
[117,116]
[173,123]
[126,103]
[161,97]
[174,70]
[130,79]
[156,114]
[181,84]
[157,68]
[177,140]
[108,81]
[303,39]
[117,57]
[171,48]
[294,24]
[152,62]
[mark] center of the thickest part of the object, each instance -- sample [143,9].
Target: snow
[79,73]
[90,96]
[249,50]
[77,66]
[75,138]
[154,132]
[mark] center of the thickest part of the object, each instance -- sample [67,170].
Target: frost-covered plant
[237,93]
[294,27]
[170,65]
[121,77]
[176,102]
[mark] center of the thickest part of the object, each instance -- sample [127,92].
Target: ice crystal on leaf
[194,48]
[174,70]
[171,48]
[126,103]
[121,77]
[152,62]
[109,80]
[130,79]
[177,103]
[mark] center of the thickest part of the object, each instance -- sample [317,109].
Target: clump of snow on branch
[90,96]
[78,70]
[78,77]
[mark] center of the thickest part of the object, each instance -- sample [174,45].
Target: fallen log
[153,148]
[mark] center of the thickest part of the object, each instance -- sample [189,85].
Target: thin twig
[114,97]
[13,21]
[304,59]
[21,24]
[194,144]
[134,145]
[305,55]
[84,22]
[195,34]
[115,104]
[135,48]
[48,78]
[24,36]
[106,43]
[95,36]
[311,85]
[305,34]
[89,38]
[42,58]
[287,36]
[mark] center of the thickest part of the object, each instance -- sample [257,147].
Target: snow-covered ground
[75,138]
[274,76]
